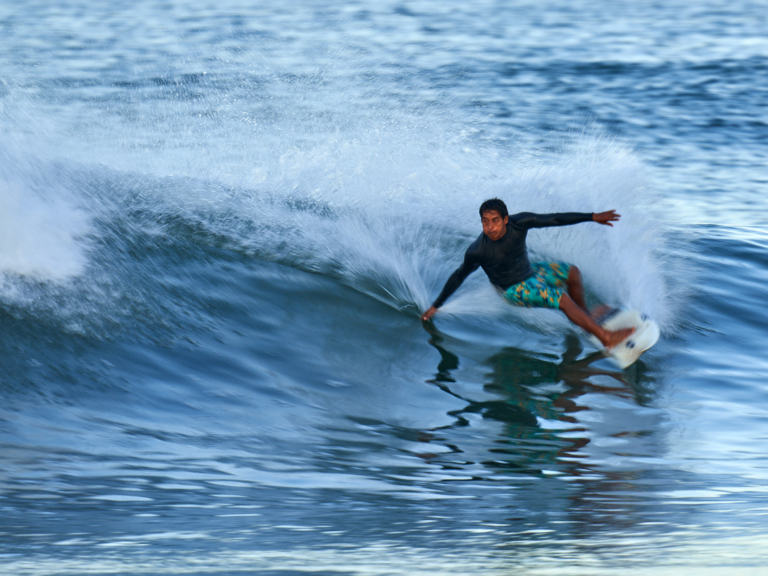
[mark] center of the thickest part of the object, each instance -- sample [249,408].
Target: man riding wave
[501,252]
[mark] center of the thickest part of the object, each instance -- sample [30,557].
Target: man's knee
[574,274]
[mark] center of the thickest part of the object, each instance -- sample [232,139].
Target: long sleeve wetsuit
[505,260]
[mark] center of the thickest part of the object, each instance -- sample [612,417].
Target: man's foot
[612,338]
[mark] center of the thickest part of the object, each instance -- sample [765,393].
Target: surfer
[501,252]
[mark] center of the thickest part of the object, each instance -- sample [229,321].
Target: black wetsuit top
[506,259]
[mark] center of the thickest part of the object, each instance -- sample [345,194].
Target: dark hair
[494,204]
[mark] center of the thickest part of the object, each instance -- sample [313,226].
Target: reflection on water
[530,391]
[550,411]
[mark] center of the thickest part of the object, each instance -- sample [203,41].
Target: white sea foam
[41,231]
[392,216]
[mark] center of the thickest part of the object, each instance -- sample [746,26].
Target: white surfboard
[627,352]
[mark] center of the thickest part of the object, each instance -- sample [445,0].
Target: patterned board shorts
[543,289]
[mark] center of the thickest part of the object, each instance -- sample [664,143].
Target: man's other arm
[455,280]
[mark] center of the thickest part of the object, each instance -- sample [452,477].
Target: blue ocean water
[220,222]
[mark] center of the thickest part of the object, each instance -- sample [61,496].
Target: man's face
[494,226]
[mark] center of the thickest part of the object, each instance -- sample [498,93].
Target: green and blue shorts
[543,289]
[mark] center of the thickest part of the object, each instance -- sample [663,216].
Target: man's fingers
[608,217]
[428,314]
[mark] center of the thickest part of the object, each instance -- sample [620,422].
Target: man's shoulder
[476,248]
[513,218]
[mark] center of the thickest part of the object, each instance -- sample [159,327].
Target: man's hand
[429,313]
[606,218]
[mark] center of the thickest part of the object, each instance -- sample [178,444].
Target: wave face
[220,224]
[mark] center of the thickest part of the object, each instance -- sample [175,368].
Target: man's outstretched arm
[531,220]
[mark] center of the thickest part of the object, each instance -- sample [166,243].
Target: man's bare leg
[580,317]
[600,311]
[576,287]
[576,292]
